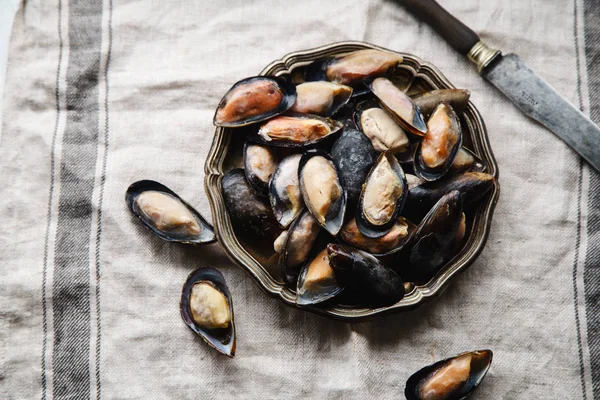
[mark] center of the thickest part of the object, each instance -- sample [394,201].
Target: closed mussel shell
[456,98]
[435,154]
[249,212]
[297,130]
[299,243]
[371,283]
[382,197]
[450,379]
[433,243]
[207,309]
[353,68]
[317,281]
[321,98]
[399,105]
[254,99]
[167,215]
[284,191]
[354,156]
[260,163]
[472,185]
[323,189]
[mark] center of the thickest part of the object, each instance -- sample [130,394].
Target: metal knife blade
[540,101]
[527,90]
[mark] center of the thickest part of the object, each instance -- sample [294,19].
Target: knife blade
[528,91]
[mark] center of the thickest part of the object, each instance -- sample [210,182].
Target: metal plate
[259,262]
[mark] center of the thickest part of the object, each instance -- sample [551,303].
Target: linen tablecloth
[102,93]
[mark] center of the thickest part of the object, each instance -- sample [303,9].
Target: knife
[509,74]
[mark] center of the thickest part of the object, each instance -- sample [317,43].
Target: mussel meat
[323,189]
[391,241]
[253,100]
[249,212]
[167,215]
[371,283]
[321,98]
[297,247]
[466,160]
[382,197]
[296,130]
[317,281]
[456,98]
[284,191]
[383,130]
[260,163]
[354,156]
[400,106]
[450,379]
[207,309]
[436,152]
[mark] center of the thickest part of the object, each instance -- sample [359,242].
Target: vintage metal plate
[259,260]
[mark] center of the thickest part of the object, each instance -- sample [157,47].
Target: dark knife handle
[457,34]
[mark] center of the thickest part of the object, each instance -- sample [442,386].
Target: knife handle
[457,34]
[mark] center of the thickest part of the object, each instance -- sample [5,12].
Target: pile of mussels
[361,188]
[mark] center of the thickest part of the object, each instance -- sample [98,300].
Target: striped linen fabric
[102,93]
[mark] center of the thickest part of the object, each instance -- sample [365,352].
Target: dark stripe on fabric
[578,235]
[591,273]
[71,292]
[101,200]
[50,197]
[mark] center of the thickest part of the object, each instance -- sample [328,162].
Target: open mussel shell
[323,189]
[472,185]
[381,128]
[466,160]
[296,130]
[321,98]
[297,248]
[249,212]
[317,281]
[450,379]
[253,100]
[207,309]
[354,156]
[382,197]
[167,215]
[433,243]
[390,243]
[370,282]
[353,68]
[435,154]
[399,105]
[260,163]
[456,98]
[284,191]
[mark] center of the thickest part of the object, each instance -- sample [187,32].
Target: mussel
[450,379]
[284,191]
[390,242]
[400,106]
[249,212]
[456,98]
[433,243]
[353,68]
[260,163]
[321,98]
[382,130]
[296,248]
[354,156]
[371,283]
[317,281]
[382,197]
[207,309]
[253,100]
[296,130]
[167,215]
[436,152]
[466,160]
[323,189]
[473,186]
